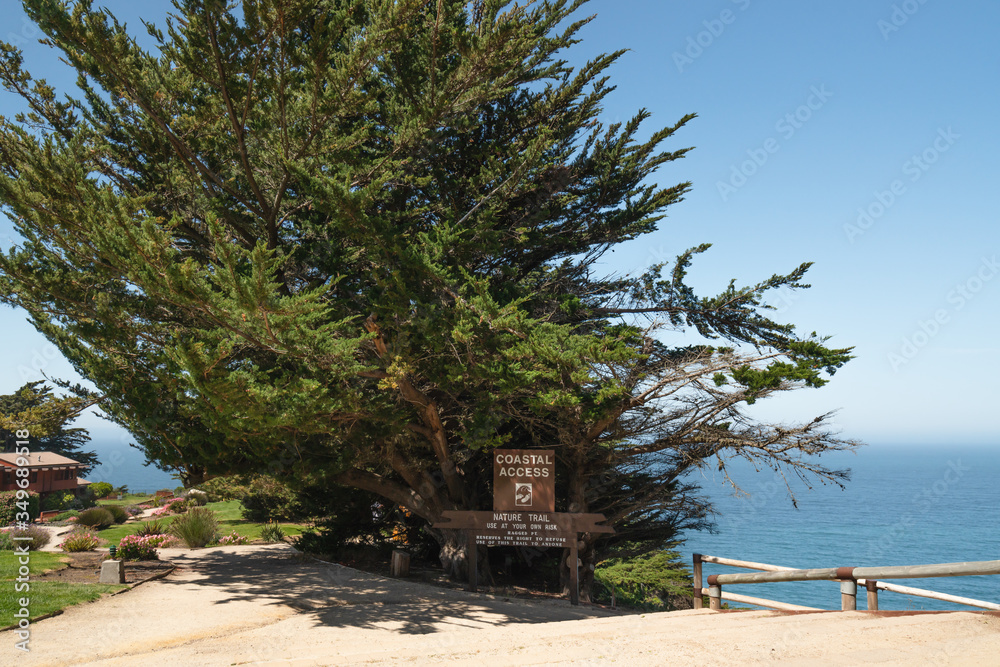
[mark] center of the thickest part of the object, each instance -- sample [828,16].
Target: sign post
[524,513]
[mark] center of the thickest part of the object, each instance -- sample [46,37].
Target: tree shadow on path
[338,596]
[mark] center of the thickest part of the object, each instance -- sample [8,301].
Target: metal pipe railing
[849,577]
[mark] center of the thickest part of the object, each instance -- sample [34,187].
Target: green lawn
[44,596]
[38,562]
[130,499]
[229,514]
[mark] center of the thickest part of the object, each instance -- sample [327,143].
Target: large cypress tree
[356,242]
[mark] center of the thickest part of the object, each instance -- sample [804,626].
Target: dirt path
[263,605]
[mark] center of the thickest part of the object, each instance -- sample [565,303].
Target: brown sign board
[523,529]
[524,480]
[560,523]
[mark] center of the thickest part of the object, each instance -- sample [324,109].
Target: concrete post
[113,572]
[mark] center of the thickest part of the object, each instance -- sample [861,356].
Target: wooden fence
[870,578]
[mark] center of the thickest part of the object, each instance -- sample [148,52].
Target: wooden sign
[536,529]
[524,504]
[524,479]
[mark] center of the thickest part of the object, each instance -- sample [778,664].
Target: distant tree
[47,418]
[358,243]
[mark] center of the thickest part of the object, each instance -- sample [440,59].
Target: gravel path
[265,605]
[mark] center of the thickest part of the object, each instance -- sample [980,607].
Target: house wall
[42,481]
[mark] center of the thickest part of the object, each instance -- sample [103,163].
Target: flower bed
[134,547]
[234,538]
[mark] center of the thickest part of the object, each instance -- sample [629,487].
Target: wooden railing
[849,577]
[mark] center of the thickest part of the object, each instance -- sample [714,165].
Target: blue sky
[861,136]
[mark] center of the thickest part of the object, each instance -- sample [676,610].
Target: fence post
[872,587]
[848,595]
[715,597]
[696,572]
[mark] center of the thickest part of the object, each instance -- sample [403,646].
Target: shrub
[269,500]
[71,514]
[224,488]
[177,505]
[234,538]
[134,510]
[653,581]
[272,532]
[96,517]
[10,506]
[118,512]
[80,540]
[57,501]
[135,547]
[196,528]
[151,528]
[101,489]
[198,497]
[39,538]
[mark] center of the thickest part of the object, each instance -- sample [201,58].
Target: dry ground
[262,605]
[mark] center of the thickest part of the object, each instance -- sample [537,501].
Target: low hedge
[9,508]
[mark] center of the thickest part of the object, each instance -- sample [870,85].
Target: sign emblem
[522,495]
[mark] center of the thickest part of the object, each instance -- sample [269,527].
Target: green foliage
[11,538]
[272,532]
[653,581]
[101,489]
[96,517]
[179,505]
[47,418]
[196,528]
[199,498]
[232,487]
[118,513]
[360,244]
[57,501]
[268,500]
[62,516]
[10,506]
[151,528]
[80,540]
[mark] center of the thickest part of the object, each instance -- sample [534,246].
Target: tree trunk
[453,555]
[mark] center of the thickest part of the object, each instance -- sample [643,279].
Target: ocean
[903,506]
[122,464]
